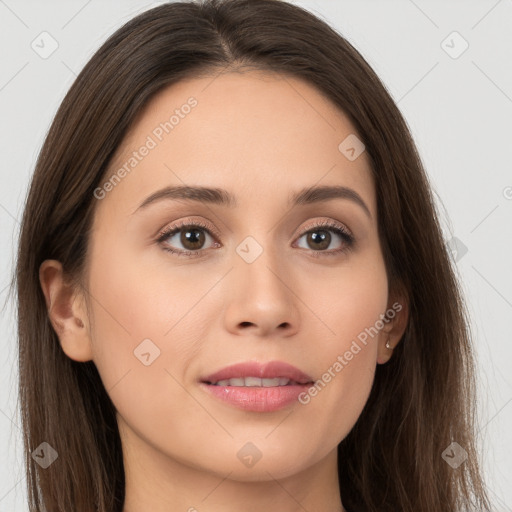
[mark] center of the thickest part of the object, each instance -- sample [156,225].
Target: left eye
[320,238]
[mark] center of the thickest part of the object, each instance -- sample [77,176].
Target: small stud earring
[388,346]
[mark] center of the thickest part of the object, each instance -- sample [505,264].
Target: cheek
[349,301]
[350,305]
[141,315]
[144,339]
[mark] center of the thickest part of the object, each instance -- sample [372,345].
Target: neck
[160,483]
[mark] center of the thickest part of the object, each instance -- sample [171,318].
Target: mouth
[250,382]
[256,387]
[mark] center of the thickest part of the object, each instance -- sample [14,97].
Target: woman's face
[264,283]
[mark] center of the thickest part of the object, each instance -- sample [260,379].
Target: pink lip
[268,370]
[258,399]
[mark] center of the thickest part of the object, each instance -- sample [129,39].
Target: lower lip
[257,399]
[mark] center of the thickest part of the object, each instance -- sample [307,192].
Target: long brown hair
[422,400]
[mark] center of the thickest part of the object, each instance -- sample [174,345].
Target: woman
[233,289]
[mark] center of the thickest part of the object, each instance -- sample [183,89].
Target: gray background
[459,108]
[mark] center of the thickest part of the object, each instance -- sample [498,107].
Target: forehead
[257,134]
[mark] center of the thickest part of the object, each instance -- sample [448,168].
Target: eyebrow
[219,196]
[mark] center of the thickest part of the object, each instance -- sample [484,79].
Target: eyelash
[345,235]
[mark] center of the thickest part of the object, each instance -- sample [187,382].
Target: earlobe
[66,313]
[392,333]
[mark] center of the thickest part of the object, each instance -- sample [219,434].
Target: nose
[261,299]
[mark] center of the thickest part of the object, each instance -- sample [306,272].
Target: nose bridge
[260,293]
[260,266]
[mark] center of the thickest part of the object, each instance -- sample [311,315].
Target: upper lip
[269,370]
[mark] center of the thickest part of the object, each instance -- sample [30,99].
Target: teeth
[266,383]
[255,382]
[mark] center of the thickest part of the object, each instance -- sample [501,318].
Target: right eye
[192,237]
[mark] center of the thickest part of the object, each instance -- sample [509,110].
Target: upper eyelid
[167,230]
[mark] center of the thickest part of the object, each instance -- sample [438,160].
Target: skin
[261,137]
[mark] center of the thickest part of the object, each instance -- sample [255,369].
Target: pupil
[197,238]
[320,241]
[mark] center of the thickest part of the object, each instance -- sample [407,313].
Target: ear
[395,323]
[67,312]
